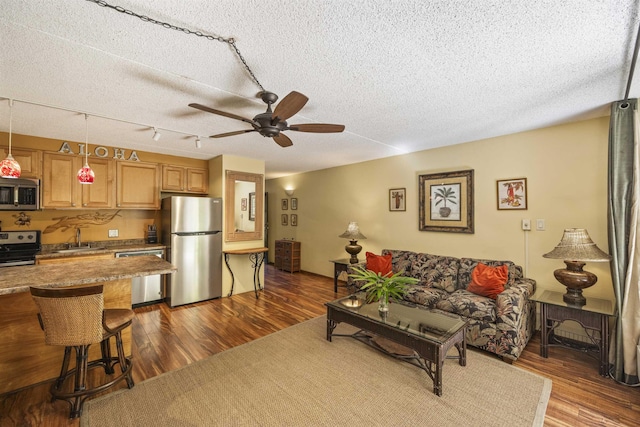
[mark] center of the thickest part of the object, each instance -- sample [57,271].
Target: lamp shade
[576,245]
[9,167]
[86,175]
[353,232]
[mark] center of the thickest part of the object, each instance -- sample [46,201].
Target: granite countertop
[18,279]
[52,251]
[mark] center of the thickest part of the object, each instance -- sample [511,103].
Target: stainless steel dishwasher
[147,289]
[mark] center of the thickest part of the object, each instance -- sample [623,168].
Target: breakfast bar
[24,358]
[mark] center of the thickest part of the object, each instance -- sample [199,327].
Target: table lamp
[353,234]
[576,248]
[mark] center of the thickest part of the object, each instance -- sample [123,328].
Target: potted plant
[445,194]
[382,287]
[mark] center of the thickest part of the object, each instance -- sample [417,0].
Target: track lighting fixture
[156,134]
[198,143]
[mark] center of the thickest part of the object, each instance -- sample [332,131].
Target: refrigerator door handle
[196,233]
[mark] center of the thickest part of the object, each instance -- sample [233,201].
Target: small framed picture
[285,204]
[512,194]
[285,219]
[243,204]
[397,199]
[294,220]
[294,204]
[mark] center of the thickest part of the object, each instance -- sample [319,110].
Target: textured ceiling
[401,75]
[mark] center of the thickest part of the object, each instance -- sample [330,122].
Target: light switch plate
[113,233]
[540,224]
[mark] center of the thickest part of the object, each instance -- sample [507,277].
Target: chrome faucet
[78,237]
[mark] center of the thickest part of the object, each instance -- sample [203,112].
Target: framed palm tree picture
[446,202]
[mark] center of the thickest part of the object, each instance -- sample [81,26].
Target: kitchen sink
[78,249]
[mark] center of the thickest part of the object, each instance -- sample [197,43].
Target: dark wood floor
[166,339]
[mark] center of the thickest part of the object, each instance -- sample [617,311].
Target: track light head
[156,134]
[198,143]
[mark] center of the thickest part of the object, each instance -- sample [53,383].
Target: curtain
[624,237]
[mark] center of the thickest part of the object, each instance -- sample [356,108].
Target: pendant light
[9,168]
[85,174]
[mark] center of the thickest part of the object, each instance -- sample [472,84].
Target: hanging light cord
[633,65]
[230,41]
[86,139]
[10,122]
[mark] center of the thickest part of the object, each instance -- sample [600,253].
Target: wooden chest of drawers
[287,255]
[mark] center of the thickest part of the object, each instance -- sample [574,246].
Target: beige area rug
[295,377]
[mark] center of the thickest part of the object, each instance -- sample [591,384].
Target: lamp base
[575,279]
[353,248]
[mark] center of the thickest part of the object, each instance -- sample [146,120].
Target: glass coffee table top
[434,325]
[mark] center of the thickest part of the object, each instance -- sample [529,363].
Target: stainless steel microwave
[19,194]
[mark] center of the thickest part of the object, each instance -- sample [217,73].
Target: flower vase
[383,303]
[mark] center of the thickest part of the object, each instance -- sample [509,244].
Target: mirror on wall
[243,206]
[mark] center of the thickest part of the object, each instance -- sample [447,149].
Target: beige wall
[566,171]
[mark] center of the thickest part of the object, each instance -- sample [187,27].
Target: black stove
[19,247]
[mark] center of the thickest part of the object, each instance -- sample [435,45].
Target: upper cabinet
[137,185]
[61,189]
[184,179]
[29,161]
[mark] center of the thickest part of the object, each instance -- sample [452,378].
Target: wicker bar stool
[75,318]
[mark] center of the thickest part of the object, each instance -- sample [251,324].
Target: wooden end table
[593,317]
[339,266]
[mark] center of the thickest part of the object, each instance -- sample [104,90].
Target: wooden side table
[593,317]
[339,266]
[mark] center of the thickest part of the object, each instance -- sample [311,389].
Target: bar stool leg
[125,365]
[57,386]
[82,360]
[105,347]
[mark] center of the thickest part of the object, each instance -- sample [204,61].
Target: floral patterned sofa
[502,326]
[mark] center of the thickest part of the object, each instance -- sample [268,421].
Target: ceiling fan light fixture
[156,135]
[9,167]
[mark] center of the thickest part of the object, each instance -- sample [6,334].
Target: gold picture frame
[446,202]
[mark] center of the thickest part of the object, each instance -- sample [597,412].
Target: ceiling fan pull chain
[230,41]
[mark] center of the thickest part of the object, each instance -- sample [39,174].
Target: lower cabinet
[287,256]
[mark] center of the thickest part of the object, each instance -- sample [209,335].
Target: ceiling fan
[272,123]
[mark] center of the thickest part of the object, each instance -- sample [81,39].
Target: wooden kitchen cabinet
[29,161]
[138,185]
[61,189]
[184,179]
[287,256]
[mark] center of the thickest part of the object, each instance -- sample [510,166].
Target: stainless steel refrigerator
[192,233]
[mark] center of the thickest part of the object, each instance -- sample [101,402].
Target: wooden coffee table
[419,336]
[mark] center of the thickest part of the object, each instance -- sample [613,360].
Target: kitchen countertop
[19,279]
[99,249]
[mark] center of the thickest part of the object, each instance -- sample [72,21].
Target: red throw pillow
[379,263]
[488,281]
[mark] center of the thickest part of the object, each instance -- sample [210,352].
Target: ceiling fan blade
[289,106]
[282,140]
[221,113]
[317,128]
[237,132]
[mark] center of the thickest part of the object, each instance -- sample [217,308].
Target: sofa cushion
[466,304]
[467,265]
[380,264]
[435,271]
[488,281]
[400,260]
[426,296]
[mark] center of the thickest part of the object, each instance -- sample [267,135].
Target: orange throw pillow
[488,281]
[379,263]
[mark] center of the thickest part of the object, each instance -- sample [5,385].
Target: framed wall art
[294,204]
[294,220]
[446,202]
[285,204]
[252,206]
[397,199]
[512,194]
[284,219]
[243,204]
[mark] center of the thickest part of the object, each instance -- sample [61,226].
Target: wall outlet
[540,224]
[113,233]
[526,224]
